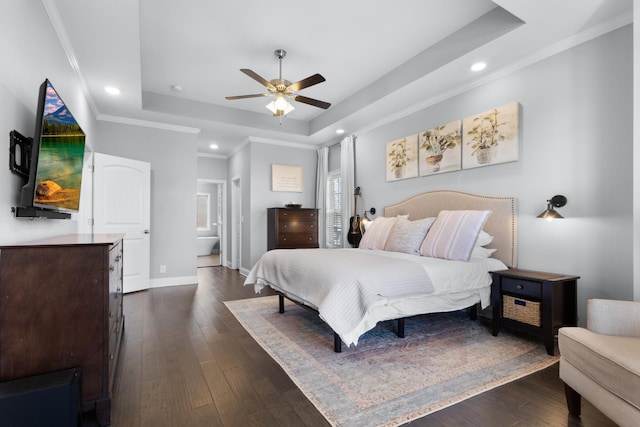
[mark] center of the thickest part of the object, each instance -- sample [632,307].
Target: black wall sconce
[364,222]
[555,202]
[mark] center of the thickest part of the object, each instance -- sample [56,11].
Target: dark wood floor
[186,361]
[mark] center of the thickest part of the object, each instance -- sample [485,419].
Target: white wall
[263,156]
[31,53]
[213,168]
[173,160]
[576,140]
[252,165]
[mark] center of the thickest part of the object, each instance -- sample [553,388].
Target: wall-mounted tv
[57,156]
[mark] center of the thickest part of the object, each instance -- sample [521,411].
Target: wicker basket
[521,310]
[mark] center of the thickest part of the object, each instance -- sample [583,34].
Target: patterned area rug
[386,380]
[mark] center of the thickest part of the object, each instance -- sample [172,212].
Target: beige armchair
[602,362]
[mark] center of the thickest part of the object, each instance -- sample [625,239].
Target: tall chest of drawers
[61,308]
[292,228]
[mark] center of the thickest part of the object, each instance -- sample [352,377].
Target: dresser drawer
[297,214]
[521,287]
[300,226]
[300,240]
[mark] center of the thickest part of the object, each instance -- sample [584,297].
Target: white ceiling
[381,60]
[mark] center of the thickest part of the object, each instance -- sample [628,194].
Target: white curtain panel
[321,194]
[347,177]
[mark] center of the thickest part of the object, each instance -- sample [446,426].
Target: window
[203,212]
[333,219]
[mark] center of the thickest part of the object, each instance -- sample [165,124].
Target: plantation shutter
[334,211]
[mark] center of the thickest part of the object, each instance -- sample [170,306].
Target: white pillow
[454,234]
[406,235]
[376,234]
[484,238]
[480,252]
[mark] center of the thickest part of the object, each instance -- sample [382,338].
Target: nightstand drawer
[521,287]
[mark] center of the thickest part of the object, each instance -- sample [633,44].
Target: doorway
[211,221]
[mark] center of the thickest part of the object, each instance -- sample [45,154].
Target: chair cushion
[611,361]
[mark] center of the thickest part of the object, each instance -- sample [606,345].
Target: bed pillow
[454,234]
[480,252]
[484,238]
[406,236]
[376,234]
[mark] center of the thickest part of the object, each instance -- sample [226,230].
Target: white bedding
[354,289]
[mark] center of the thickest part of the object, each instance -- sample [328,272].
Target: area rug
[385,380]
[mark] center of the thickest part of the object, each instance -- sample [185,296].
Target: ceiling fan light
[288,107]
[273,107]
[281,103]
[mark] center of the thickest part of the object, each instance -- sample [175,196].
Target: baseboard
[173,281]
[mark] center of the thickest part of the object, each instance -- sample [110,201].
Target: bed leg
[473,312]
[400,331]
[337,343]
[280,303]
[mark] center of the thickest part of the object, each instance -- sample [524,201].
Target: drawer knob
[519,286]
[112,268]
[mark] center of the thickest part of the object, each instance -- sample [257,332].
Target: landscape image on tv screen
[61,156]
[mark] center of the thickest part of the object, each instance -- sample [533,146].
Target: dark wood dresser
[292,228]
[61,308]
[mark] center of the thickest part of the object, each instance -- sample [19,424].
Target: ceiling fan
[282,90]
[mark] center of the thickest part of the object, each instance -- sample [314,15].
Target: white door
[121,204]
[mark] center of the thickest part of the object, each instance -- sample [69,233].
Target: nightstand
[535,302]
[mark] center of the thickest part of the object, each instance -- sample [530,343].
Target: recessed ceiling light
[214,146]
[478,66]
[112,90]
[340,131]
[177,89]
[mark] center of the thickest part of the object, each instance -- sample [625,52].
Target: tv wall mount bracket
[20,153]
[20,148]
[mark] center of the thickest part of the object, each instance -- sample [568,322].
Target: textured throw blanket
[342,284]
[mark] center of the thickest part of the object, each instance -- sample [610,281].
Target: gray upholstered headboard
[501,223]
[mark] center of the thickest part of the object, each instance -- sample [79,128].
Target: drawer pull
[520,287]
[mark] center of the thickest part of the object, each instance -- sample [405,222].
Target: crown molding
[147,123]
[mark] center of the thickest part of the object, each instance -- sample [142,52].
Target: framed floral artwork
[440,149]
[402,158]
[491,137]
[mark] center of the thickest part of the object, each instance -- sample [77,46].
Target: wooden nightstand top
[536,275]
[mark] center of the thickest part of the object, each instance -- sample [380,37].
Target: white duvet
[353,289]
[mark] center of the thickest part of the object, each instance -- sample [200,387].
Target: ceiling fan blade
[255,95]
[311,101]
[266,83]
[309,81]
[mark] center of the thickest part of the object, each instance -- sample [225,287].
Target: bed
[354,289]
